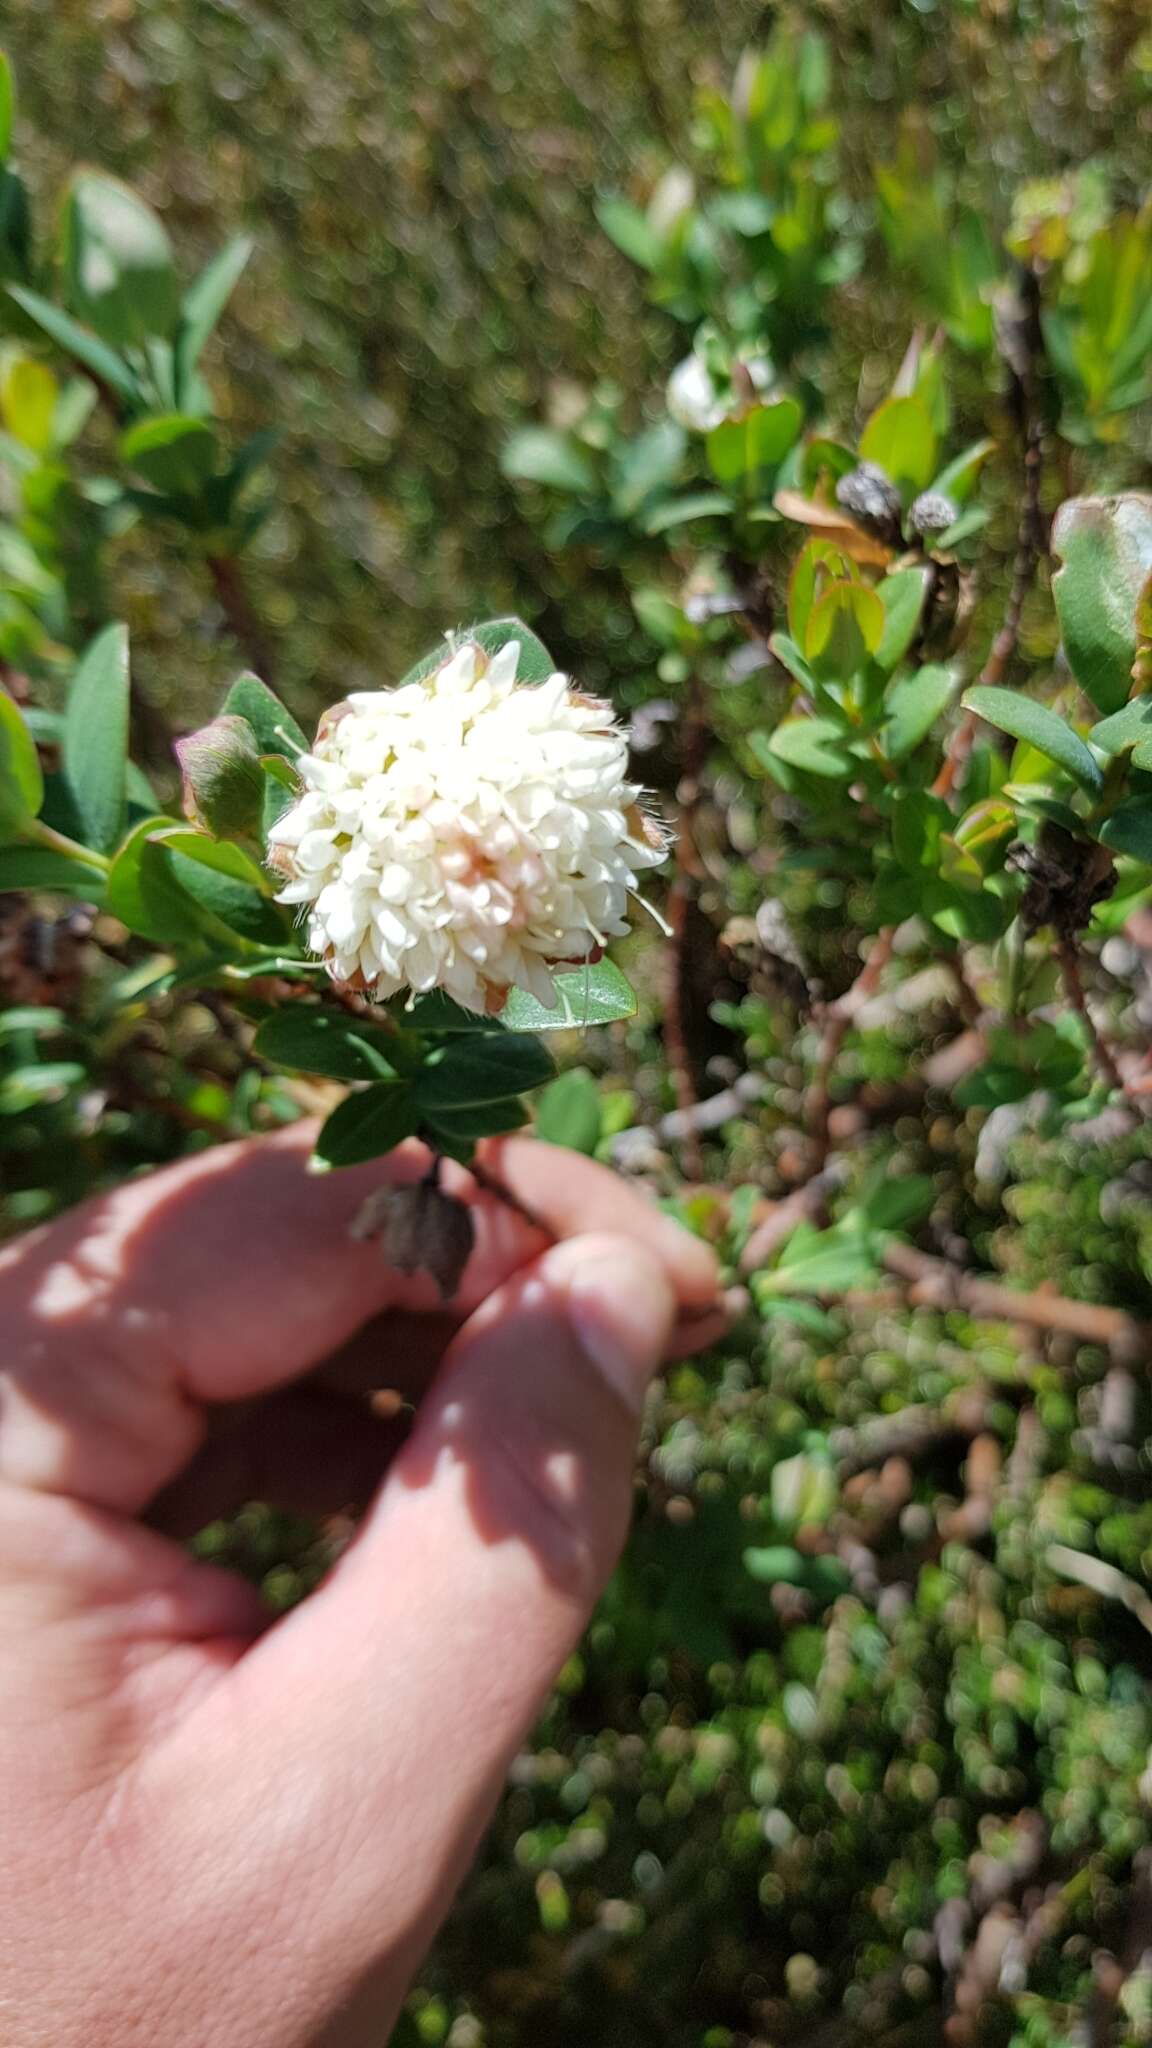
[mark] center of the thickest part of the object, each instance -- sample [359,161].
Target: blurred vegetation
[861,1732]
[421,182]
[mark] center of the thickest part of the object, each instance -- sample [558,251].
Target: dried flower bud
[1067,877]
[931,514]
[421,1230]
[222,777]
[870,496]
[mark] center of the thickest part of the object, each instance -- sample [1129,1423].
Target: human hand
[229,1833]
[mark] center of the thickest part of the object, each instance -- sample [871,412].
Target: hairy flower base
[464,832]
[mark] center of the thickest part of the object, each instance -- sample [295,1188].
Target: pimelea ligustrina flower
[465,832]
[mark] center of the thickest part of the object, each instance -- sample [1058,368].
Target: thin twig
[243,624]
[838,1017]
[934,1283]
[1024,357]
[1102,1053]
[967,1001]
[803,1205]
[681,897]
[492,1185]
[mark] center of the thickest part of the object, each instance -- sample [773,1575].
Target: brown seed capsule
[421,1230]
[1066,876]
[931,514]
[869,494]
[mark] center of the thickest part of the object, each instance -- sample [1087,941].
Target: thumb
[402,1689]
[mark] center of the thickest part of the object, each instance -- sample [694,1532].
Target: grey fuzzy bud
[421,1230]
[931,514]
[870,496]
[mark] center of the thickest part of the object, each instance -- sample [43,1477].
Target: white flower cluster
[464,832]
[700,400]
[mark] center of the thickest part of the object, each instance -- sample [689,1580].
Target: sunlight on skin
[358,1745]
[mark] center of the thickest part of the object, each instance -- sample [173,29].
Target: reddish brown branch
[681,898]
[1024,354]
[933,1283]
[838,1017]
[243,624]
[1102,1053]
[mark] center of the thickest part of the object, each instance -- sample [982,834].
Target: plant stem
[1024,359]
[494,1186]
[681,897]
[39,834]
[837,1018]
[1102,1053]
[243,624]
[967,1001]
[936,1283]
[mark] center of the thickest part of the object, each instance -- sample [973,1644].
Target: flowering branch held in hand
[465,832]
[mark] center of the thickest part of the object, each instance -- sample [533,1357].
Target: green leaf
[28,396]
[456,1130]
[274,726]
[118,270]
[1129,727]
[913,703]
[79,342]
[902,596]
[7,106]
[818,564]
[830,1268]
[480,1067]
[645,465]
[625,225]
[204,301]
[95,738]
[436,1015]
[367,1124]
[34,1017]
[680,511]
[174,452]
[1129,829]
[328,1042]
[1105,545]
[540,455]
[974,914]
[568,1112]
[918,819]
[41,867]
[1040,727]
[1019,1063]
[815,745]
[747,452]
[984,831]
[596,994]
[21,782]
[958,479]
[227,883]
[144,893]
[222,856]
[790,657]
[536,664]
[44,1081]
[901,438]
[845,627]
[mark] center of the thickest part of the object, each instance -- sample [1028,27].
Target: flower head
[703,392]
[464,832]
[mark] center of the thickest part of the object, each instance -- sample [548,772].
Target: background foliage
[857,1748]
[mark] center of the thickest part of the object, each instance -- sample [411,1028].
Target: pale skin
[226,1832]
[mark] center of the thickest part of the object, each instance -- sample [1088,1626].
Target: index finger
[235,1272]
